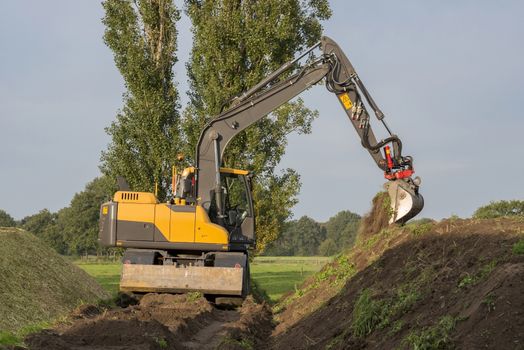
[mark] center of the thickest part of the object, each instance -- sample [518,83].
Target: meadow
[274,275]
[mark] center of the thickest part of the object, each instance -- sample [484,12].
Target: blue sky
[448,75]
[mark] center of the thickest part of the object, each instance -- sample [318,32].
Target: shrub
[6,220]
[328,247]
[500,209]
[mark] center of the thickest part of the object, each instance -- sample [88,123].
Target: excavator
[201,238]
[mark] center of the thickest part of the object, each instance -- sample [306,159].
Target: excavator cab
[237,203]
[236,200]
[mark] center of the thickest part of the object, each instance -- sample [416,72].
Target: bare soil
[318,293]
[158,321]
[461,270]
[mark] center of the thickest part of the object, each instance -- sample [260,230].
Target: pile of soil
[453,284]
[160,321]
[252,329]
[315,291]
[37,284]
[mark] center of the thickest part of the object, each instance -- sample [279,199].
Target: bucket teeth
[406,202]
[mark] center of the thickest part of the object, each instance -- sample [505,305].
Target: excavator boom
[340,78]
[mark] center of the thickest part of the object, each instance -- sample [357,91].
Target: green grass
[419,229]
[489,301]
[107,275]
[161,342]
[518,248]
[372,312]
[368,314]
[333,274]
[473,279]
[9,338]
[279,275]
[434,337]
[274,275]
[17,337]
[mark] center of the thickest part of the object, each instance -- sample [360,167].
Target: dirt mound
[373,238]
[252,329]
[107,334]
[37,284]
[160,321]
[457,283]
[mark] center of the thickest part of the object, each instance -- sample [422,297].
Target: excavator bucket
[406,202]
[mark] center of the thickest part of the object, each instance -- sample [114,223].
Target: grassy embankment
[37,286]
[274,275]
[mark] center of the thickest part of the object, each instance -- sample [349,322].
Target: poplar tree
[145,136]
[236,43]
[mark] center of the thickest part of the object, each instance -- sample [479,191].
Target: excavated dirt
[159,321]
[252,330]
[318,293]
[460,271]
[377,219]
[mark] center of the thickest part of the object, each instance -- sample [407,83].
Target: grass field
[107,274]
[278,275]
[275,275]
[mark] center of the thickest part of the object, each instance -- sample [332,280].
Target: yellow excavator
[199,240]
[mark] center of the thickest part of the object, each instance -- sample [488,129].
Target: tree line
[74,230]
[307,237]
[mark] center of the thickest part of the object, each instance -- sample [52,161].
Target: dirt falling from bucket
[377,219]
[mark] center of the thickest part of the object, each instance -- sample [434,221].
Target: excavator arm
[279,87]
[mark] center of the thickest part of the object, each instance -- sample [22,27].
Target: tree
[236,44]
[45,225]
[300,237]
[328,247]
[499,209]
[342,230]
[79,221]
[145,135]
[37,223]
[6,220]
[308,235]
[74,229]
[283,246]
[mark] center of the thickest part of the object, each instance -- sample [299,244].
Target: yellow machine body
[175,223]
[175,246]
